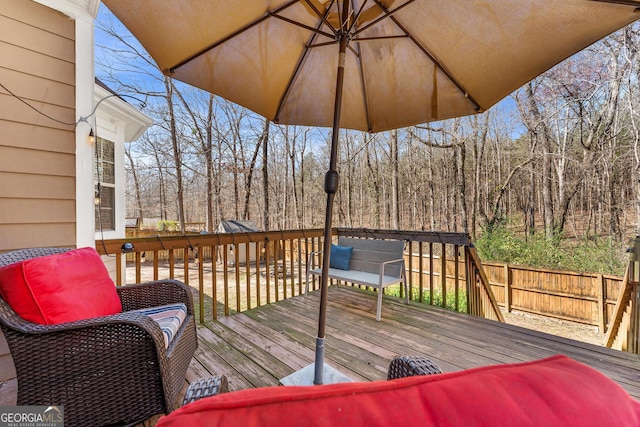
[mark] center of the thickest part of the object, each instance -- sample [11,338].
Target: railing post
[469,279]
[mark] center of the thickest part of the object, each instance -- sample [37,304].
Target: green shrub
[166,225]
[593,256]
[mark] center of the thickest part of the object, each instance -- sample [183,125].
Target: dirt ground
[559,327]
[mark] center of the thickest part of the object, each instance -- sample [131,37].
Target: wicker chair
[411,366]
[109,370]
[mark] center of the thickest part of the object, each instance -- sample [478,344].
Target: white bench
[374,263]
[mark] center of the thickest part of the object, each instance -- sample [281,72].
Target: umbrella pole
[330,187]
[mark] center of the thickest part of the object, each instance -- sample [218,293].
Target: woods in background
[561,157]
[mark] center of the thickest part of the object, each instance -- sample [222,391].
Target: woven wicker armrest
[403,366]
[206,387]
[64,363]
[156,293]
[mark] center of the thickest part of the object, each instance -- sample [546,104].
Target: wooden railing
[623,332]
[230,280]
[481,299]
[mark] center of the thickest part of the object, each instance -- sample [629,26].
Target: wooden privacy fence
[578,297]
[239,271]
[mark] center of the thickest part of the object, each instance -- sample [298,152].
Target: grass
[450,302]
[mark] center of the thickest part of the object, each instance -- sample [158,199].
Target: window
[105,181]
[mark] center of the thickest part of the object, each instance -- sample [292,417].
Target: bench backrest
[368,254]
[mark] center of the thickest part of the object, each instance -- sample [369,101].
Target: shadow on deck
[258,347]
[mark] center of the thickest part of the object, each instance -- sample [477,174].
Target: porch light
[92,139]
[127,248]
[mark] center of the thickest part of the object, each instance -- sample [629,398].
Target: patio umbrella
[371,65]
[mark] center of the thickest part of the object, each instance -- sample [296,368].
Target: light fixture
[92,138]
[127,248]
[96,199]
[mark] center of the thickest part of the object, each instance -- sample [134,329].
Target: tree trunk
[136,183]
[263,140]
[395,186]
[177,155]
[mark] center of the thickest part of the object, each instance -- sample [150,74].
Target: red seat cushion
[73,285]
[553,392]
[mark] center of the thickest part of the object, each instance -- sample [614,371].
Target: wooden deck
[258,347]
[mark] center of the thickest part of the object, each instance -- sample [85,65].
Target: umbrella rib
[364,88]
[431,57]
[306,27]
[357,16]
[322,16]
[387,14]
[294,75]
[366,39]
[171,70]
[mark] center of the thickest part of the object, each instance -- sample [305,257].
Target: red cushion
[73,285]
[557,391]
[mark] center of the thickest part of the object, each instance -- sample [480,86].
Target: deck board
[258,347]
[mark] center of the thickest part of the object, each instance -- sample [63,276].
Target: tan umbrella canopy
[371,65]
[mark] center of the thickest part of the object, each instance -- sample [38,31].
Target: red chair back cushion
[73,285]
[553,392]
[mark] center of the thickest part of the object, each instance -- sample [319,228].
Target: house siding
[37,154]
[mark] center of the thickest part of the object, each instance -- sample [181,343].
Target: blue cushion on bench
[340,257]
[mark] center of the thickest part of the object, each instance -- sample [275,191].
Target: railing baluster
[291,268]
[300,266]
[420,272]
[171,264]
[247,268]
[443,274]
[410,244]
[276,279]
[431,273]
[267,257]
[236,269]
[119,269]
[185,259]
[258,289]
[155,265]
[455,274]
[214,282]
[225,264]
[200,261]
[138,266]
